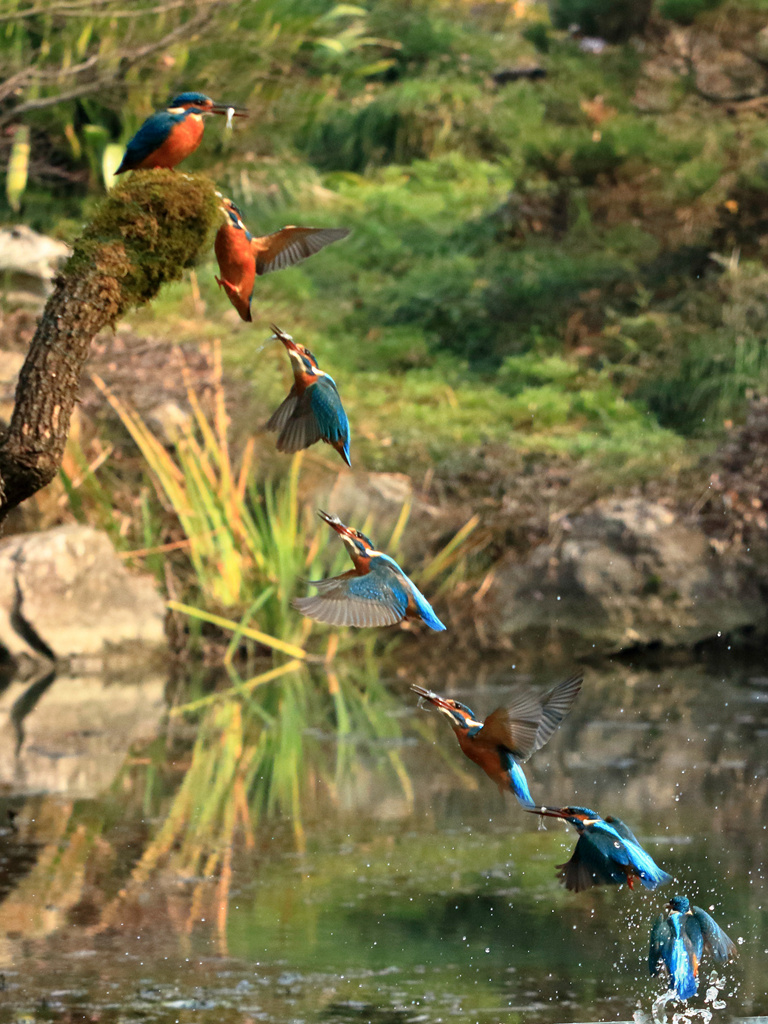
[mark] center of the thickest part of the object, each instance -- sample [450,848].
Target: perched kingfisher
[313,410]
[375,593]
[607,852]
[242,257]
[510,734]
[169,136]
[677,941]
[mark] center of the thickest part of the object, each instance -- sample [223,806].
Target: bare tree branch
[126,60]
[145,233]
[51,101]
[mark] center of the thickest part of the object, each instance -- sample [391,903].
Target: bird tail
[648,871]
[683,970]
[518,783]
[424,608]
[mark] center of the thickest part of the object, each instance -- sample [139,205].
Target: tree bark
[144,234]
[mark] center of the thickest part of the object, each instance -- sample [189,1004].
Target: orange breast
[235,258]
[183,139]
[486,757]
[302,381]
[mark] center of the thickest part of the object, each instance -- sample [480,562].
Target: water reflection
[326,853]
[71,736]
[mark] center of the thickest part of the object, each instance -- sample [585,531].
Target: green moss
[151,227]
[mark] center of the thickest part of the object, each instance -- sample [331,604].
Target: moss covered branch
[149,229]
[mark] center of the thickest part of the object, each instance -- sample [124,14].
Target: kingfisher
[312,410]
[679,937]
[375,593]
[242,257]
[510,734]
[169,136]
[607,852]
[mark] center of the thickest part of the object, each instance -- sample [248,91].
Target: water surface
[410,890]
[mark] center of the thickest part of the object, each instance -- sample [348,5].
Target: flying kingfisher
[510,734]
[312,410]
[678,939]
[607,852]
[242,257]
[375,593]
[169,136]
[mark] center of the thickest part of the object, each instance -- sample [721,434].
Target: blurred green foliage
[686,11]
[530,265]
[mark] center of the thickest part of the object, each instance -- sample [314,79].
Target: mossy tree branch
[149,229]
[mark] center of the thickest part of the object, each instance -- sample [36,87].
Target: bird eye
[617,845]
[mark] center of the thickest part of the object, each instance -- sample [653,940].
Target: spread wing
[301,428]
[624,831]
[593,863]
[315,415]
[555,706]
[280,417]
[660,952]
[514,726]
[291,245]
[376,599]
[715,940]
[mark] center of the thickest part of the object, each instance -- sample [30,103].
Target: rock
[29,261]
[169,421]
[379,498]
[626,573]
[64,592]
[614,20]
[760,46]
[724,74]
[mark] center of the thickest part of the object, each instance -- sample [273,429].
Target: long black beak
[547,812]
[332,520]
[224,108]
[280,335]
[422,692]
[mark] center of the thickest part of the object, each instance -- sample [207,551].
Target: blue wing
[714,938]
[317,415]
[329,413]
[424,608]
[148,138]
[684,954]
[660,952]
[592,863]
[376,599]
[648,871]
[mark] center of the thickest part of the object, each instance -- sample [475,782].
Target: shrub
[614,20]
[685,12]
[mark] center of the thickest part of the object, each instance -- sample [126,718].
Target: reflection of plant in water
[273,752]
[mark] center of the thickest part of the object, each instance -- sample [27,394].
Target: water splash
[703,1014]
